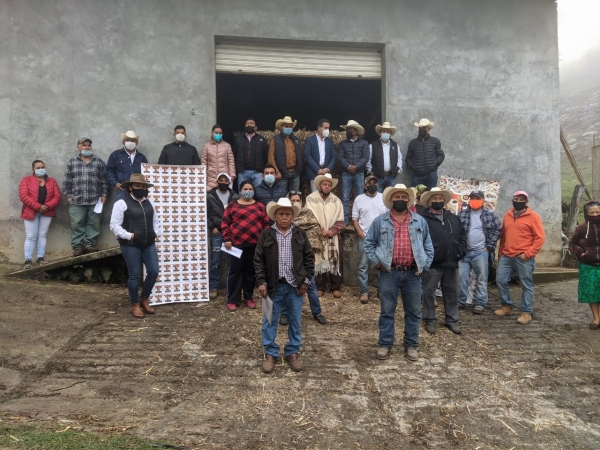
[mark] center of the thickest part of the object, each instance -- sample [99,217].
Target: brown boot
[503,311]
[137,311]
[268,364]
[337,294]
[294,362]
[145,305]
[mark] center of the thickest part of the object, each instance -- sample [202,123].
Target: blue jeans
[430,180]
[478,261]
[120,194]
[363,267]
[134,257]
[348,180]
[313,299]
[383,182]
[214,276]
[290,181]
[284,297]
[409,285]
[524,269]
[252,175]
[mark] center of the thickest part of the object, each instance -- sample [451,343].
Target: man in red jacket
[521,240]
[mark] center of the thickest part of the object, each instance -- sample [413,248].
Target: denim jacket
[379,242]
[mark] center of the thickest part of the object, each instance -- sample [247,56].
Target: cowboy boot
[145,305]
[136,311]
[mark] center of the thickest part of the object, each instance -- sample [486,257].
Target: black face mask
[372,188]
[249,130]
[223,187]
[422,132]
[400,205]
[437,205]
[324,194]
[519,206]
[349,134]
[595,219]
[140,193]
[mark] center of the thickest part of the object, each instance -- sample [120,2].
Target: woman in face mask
[218,158]
[243,221]
[136,226]
[585,245]
[40,195]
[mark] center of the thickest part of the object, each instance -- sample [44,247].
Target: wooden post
[565,144]
[596,172]
[574,209]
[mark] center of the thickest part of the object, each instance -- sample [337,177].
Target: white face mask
[325,132]
[129,145]
[180,137]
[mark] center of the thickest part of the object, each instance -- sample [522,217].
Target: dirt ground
[191,374]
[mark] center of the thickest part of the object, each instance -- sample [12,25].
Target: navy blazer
[312,157]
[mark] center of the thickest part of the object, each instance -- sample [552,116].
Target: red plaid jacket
[242,224]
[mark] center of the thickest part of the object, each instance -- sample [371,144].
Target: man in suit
[319,153]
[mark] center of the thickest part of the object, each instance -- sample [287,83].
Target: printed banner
[179,198]
[462,187]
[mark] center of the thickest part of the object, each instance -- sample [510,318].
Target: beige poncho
[328,213]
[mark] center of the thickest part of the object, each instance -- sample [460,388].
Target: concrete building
[486,72]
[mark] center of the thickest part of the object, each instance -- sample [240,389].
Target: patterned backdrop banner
[179,198]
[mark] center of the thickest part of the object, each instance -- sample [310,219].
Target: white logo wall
[179,198]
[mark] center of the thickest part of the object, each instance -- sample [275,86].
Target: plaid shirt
[403,255]
[85,183]
[284,254]
[242,224]
[490,222]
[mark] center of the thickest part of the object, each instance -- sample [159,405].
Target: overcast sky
[578,27]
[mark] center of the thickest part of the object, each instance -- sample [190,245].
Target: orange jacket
[525,234]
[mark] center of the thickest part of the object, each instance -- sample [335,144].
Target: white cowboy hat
[386,125]
[389,191]
[424,123]
[286,119]
[436,190]
[129,135]
[326,177]
[354,124]
[283,202]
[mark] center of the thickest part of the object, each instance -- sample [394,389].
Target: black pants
[449,283]
[335,281]
[241,276]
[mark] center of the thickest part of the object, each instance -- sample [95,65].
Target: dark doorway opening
[268,98]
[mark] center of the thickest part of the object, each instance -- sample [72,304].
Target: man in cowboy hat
[250,151]
[521,240]
[285,153]
[450,243]
[319,153]
[483,227]
[328,210]
[385,160]
[123,162]
[284,266]
[424,156]
[365,209]
[352,157]
[399,246]
[85,183]
[179,152]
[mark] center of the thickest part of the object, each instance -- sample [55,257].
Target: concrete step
[550,274]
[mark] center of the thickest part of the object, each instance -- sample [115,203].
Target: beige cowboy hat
[389,191]
[424,123]
[129,135]
[136,178]
[386,125]
[326,177]
[283,202]
[286,119]
[354,124]
[436,190]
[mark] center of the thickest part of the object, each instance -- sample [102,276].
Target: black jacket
[266,258]
[424,156]
[256,148]
[216,209]
[449,239]
[179,154]
[353,154]
[265,193]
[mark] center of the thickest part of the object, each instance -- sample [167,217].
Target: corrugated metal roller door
[298,61]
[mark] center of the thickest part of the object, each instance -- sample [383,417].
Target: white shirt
[118,213]
[387,165]
[321,143]
[366,209]
[131,155]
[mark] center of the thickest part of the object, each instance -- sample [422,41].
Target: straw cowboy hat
[354,124]
[286,119]
[424,123]
[326,177]
[389,191]
[136,178]
[386,125]
[283,202]
[436,190]
[129,135]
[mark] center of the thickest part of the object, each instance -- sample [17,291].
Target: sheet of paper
[267,307]
[98,207]
[237,252]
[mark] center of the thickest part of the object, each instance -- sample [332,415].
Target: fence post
[574,209]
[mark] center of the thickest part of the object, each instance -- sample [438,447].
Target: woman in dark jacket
[136,225]
[585,245]
[40,195]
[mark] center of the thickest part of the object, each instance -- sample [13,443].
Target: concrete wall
[485,71]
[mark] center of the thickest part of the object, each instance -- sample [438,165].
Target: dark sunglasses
[295,193]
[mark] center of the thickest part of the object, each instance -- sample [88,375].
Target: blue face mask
[247,194]
[40,172]
[218,137]
[86,153]
[269,179]
[287,131]
[385,137]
